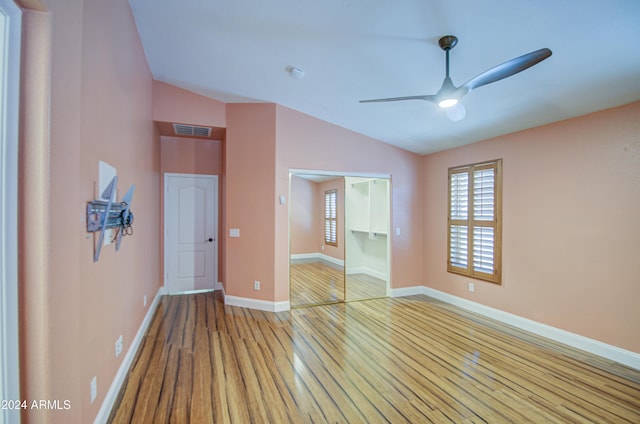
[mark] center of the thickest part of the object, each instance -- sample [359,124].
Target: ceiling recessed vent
[182,129]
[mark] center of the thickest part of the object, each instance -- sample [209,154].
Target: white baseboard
[368,271]
[406,291]
[193,291]
[317,256]
[622,356]
[262,305]
[121,375]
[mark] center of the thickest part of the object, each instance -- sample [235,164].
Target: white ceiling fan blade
[426,97]
[506,69]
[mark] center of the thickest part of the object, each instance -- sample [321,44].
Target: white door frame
[10,30]
[167,176]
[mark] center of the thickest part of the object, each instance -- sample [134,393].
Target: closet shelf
[375,233]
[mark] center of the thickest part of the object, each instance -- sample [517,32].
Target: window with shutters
[474,233]
[331,217]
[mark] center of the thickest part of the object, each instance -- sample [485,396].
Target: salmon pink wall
[100,109]
[305,142]
[571,201]
[33,196]
[305,216]
[191,156]
[173,104]
[250,199]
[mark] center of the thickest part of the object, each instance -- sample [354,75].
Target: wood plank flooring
[315,282]
[410,359]
[364,286]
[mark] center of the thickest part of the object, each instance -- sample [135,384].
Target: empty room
[341,212]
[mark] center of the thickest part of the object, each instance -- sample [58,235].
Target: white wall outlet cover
[283,199]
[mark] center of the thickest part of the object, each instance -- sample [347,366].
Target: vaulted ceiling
[240,50]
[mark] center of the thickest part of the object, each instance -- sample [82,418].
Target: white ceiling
[238,51]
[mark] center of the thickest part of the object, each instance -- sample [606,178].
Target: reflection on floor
[365,286]
[316,281]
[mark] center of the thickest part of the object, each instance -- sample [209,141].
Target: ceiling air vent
[181,129]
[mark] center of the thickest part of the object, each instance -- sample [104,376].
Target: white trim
[318,256]
[339,173]
[299,256]
[577,341]
[127,361]
[192,292]
[10,39]
[261,305]
[406,291]
[367,271]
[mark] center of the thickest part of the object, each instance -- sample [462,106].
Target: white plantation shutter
[459,195]
[459,246]
[331,217]
[483,249]
[483,194]
[474,220]
[458,216]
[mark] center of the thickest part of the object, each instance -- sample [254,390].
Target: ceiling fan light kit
[449,95]
[448,102]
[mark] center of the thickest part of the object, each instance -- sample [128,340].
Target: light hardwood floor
[315,282]
[395,360]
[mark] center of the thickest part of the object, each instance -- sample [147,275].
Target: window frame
[330,220]
[472,222]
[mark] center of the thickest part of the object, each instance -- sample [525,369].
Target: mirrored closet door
[316,223]
[339,240]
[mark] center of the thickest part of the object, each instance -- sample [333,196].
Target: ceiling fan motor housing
[448,42]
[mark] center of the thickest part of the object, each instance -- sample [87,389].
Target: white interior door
[190,232]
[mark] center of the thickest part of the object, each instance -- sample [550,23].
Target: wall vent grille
[182,129]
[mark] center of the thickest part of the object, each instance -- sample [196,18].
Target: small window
[474,221]
[331,217]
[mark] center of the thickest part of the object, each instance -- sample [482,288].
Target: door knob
[210,240]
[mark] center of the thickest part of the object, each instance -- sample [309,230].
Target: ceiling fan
[449,95]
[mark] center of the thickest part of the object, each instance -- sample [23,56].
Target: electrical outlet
[256,285]
[119,345]
[472,287]
[94,389]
